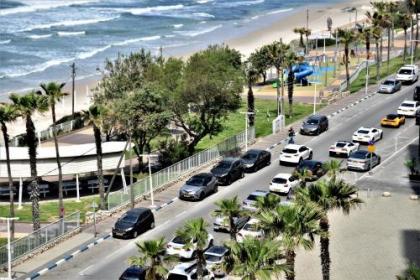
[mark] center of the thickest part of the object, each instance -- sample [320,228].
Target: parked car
[315,168]
[416,94]
[294,154]
[249,202]
[283,182]
[393,120]
[177,247]
[188,271]
[343,148]
[389,86]
[221,223]
[314,125]
[408,74]
[228,170]
[215,256]
[133,273]
[367,135]
[363,160]
[254,160]
[133,222]
[251,229]
[198,187]
[408,108]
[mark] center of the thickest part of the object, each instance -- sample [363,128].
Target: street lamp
[9,251]
[411,49]
[246,114]
[367,75]
[148,156]
[315,83]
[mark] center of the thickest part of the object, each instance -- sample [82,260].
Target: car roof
[366,128]
[260,193]
[360,152]
[205,175]
[293,146]
[343,141]
[315,117]
[409,102]
[254,151]
[185,267]
[283,175]
[392,115]
[230,159]
[217,250]
[390,79]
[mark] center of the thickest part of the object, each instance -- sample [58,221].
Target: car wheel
[152,225]
[380,136]
[300,160]
[310,155]
[201,197]
[216,189]
[379,160]
[135,234]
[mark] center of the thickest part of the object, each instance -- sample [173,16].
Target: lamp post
[367,76]
[9,251]
[246,114]
[411,49]
[148,156]
[94,206]
[315,83]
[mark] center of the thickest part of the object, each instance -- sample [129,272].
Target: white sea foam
[67,34]
[34,6]
[89,54]
[280,11]
[68,23]
[194,33]
[151,10]
[169,36]
[203,15]
[39,68]
[136,40]
[5,42]
[178,25]
[241,3]
[203,1]
[39,37]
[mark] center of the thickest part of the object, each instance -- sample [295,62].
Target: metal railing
[229,146]
[41,237]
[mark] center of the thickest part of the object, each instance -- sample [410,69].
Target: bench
[94,184]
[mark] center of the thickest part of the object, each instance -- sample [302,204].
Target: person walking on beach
[291,135]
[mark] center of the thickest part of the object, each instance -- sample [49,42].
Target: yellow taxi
[393,120]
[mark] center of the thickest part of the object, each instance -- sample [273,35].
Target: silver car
[362,160]
[389,86]
[198,187]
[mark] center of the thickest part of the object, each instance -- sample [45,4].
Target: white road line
[182,213]
[63,260]
[81,273]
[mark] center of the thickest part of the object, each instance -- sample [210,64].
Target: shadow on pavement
[413,154]
[411,243]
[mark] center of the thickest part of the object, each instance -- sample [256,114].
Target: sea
[40,39]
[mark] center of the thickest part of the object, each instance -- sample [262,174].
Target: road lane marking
[82,273]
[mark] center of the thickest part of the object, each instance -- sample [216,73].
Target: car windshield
[250,156]
[178,240]
[289,151]
[389,83]
[391,117]
[405,71]
[174,276]
[224,164]
[312,121]
[359,155]
[362,131]
[253,197]
[197,181]
[251,227]
[410,105]
[340,145]
[128,218]
[279,181]
[211,258]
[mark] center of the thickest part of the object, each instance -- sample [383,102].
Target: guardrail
[233,144]
[41,237]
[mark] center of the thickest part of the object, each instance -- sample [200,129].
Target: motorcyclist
[291,135]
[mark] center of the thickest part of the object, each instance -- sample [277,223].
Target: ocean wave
[241,3]
[68,23]
[150,10]
[89,54]
[178,25]
[39,37]
[194,33]
[4,42]
[279,11]
[169,36]
[136,40]
[38,68]
[203,1]
[67,34]
[43,5]
[203,15]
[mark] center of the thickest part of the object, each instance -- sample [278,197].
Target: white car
[293,153]
[188,271]
[251,229]
[177,247]
[408,73]
[250,201]
[367,135]
[283,183]
[408,108]
[343,148]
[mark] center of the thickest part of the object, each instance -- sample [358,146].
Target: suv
[314,125]
[188,271]
[256,159]
[228,170]
[133,222]
[408,73]
[198,187]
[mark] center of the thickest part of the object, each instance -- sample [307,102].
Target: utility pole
[307,18]
[73,76]
[9,249]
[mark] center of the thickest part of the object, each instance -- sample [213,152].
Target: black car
[256,159]
[133,273]
[228,170]
[314,125]
[133,222]
[416,95]
[315,167]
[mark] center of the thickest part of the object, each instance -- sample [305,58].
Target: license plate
[119,234]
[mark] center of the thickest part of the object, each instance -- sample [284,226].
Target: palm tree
[54,93]
[267,203]
[195,230]
[412,273]
[414,8]
[304,176]
[346,37]
[25,106]
[366,34]
[329,25]
[377,35]
[251,75]
[301,31]
[329,195]
[94,115]
[231,209]
[255,259]
[404,21]
[152,257]
[290,59]
[308,33]
[332,167]
[378,21]
[8,114]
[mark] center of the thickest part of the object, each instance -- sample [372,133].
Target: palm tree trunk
[278,91]
[307,45]
[290,262]
[325,251]
[201,262]
[381,51]
[98,143]
[9,175]
[290,81]
[377,60]
[32,143]
[388,50]
[233,229]
[417,34]
[60,172]
[367,44]
[282,92]
[346,61]
[405,45]
[251,104]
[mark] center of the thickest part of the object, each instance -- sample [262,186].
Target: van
[408,74]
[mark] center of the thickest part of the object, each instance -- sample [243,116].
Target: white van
[408,73]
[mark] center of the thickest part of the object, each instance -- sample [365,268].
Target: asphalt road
[108,260]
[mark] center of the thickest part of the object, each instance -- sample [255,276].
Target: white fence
[41,237]
[142,187]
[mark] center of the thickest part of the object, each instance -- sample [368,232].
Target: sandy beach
[281,28]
